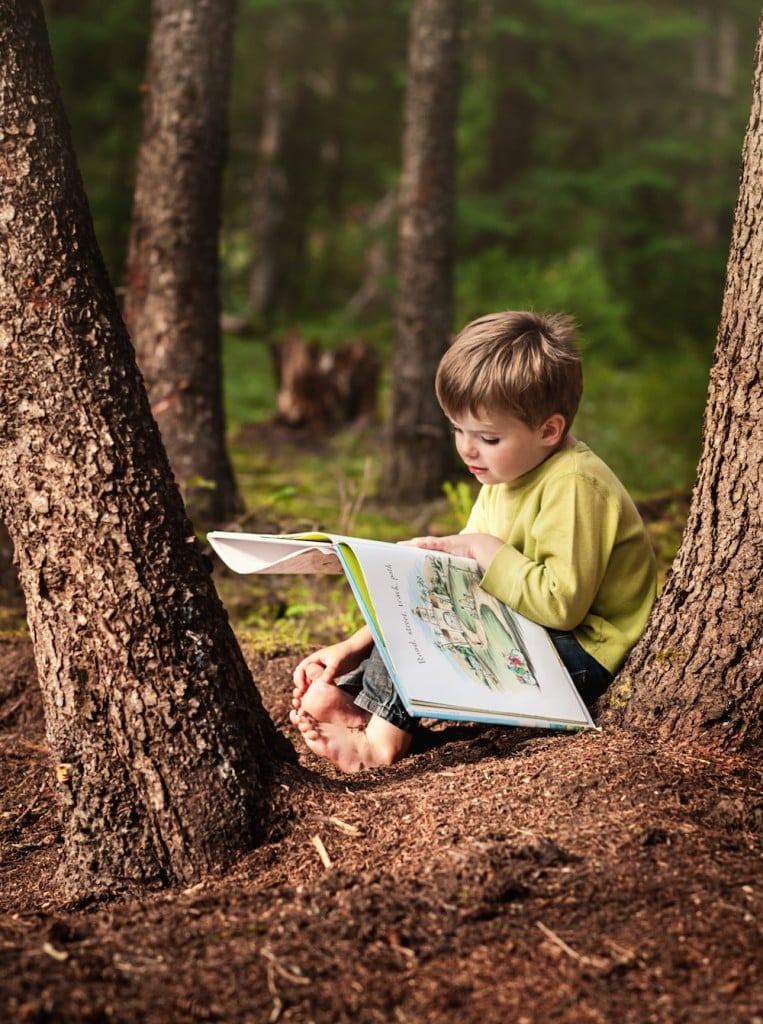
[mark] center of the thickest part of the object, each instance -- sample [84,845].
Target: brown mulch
[497,875]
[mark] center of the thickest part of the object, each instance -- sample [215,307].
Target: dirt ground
[498,875]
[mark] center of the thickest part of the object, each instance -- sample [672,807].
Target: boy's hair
[527,364]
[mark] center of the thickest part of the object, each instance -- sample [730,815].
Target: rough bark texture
[172,304]
[699,667]
[152,717]
[418,451]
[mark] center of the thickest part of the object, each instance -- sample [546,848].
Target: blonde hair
[527,364]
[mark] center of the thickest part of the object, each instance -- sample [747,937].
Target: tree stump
[325,388]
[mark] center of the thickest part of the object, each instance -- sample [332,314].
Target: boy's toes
[308,726]
[305,723]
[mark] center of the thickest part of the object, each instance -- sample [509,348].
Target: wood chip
[587,961]
[318,844]
[345,826]
[55,954]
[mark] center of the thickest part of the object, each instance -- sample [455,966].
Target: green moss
[669,654]
[620,692]
[12,623]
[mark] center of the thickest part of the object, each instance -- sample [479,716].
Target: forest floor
[497,876]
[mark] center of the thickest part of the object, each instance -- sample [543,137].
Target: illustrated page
[453,645]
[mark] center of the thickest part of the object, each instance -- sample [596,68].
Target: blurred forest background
[599,149]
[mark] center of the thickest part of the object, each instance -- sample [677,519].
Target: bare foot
[327,702]
[300,689]
[353,749]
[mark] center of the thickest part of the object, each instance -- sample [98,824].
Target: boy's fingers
[432,543]
[314,671]
[306,670]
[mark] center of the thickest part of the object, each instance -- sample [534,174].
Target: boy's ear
[553,429]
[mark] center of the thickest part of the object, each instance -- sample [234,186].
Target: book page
[263,553]
[454,650]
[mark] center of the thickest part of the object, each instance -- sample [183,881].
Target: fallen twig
[292,974]
[318,844]
[588,961]
[342,826]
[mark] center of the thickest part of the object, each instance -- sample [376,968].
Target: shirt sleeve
[571,539]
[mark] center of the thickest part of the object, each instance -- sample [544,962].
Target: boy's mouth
[476,469]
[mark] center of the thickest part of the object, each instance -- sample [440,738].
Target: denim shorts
[590,678]
[373,689]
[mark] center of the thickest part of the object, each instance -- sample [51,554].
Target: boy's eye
[489,440]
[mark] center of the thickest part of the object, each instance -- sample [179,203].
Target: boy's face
[498,447]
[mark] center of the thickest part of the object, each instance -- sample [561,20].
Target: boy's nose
[467,447]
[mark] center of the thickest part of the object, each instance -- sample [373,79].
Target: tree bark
[270,186]
[418,447]
[159,737]
[698,669]
[172,305]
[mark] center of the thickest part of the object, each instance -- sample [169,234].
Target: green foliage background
[599,147]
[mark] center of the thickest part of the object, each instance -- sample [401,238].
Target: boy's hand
[325,665]
[482,547]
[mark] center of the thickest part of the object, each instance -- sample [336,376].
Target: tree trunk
[418,447]
[514,66]
[270,186]
[698,669]
[153,721]
[325,389]
[172,305]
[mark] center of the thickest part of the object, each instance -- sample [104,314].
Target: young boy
[553,530]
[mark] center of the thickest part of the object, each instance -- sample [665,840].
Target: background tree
[172,304]
[270,185]
[418,451]
[699,667]
[151,714]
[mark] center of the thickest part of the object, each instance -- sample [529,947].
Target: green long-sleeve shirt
[576,554]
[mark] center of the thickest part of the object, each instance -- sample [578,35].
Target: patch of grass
[328,487]
[249,380]
[13,623]
[280,615]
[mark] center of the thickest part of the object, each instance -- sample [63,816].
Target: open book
[453,650]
